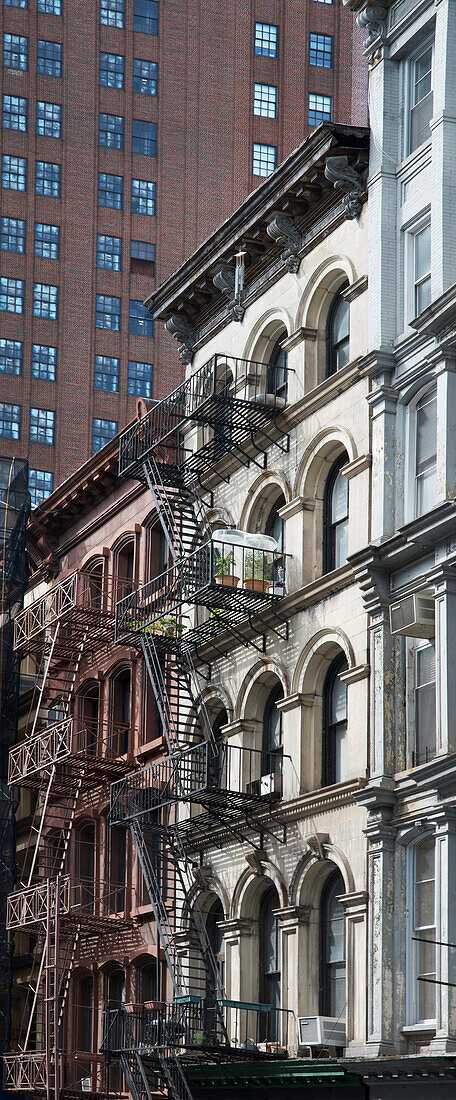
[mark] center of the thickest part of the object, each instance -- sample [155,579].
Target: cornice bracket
[283,230]
[178,325]
[341,174]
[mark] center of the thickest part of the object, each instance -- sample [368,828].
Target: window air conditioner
[86,1084]
[318,1031]
[413,616]
[271,784]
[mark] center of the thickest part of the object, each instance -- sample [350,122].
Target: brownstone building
[130,129]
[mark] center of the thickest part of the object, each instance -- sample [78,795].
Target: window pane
[321,50]
[44,362]
[45,301]
[422,75]
[145,16]
[140,376]
[264,159]
[49,58]
[47,179]
[42,423]
[41,484]
[144,137]
[112,69]
[14,113]
[49,119]
[12,235]
[14,173]
[111,131]
[339,509]
[141,321]
[109,252]
[107,370]
[426,453]
[339,701]
[110,190]
[143,197]
[107,312]
[11,355]
[145,76]
[15,52]
[422,252]
[265,100]
[10,421]
[102,432]
[12,295]
[47,241]
[51,7]
[320,109]
[112,13]
[266,39]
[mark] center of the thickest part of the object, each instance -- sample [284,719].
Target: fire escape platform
[244,1079]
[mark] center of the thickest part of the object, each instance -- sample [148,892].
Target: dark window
[337,333]
[264,159]
[111,131]
[10,421]
[269,964]
[215,936]
[45,301]
[277,370]
[334,741]
[49,57]
[266,40]
[15,52]
[112,70]
[102,432]
[112,13]
[107,371]
[12,295]
[50,7]
[141,321]
[41,484]
[110,190]
[321,50]
[145,75]
[265,100]
[144,137]
[42,426]
[145,16]
[320,109]
[11,356]
[14,113]
[275,527]
[425,703]
[272,750]
[12,235]
[140,379]
[47,241]
[85,836]
[47,178]
[14,173]
[83,1022]
[335,517]
[332,949]
[109,252]
[107,312]
[142,257]
[49,119]
[44,362]
[143,197]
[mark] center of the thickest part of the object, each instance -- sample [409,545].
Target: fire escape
[220,590]
[64,761]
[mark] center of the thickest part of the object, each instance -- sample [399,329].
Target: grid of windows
[11,356]
[47,241]
[14,172]
[142,256]
[45,301]
[107,312]
[111,131]
[14,113]
[140,321]
[42,426]
[144,137]
[50,7]
[44,362]
[10,421]
[145,16]
[112,13]
[107,372]
[12,237]
[109,252]
[15,52]
[145,74]
[266,40]
[321,50]
[112,70]
[41,484]
[49,57]
[110,190]
[102,432]
[265,100]
[264,159]
[320,108]
[47,178]
[12,295]
[140,379]
[143,197]
[48,119]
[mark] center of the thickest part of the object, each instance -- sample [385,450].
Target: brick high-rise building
[130,129]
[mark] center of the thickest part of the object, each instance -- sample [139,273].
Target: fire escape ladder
[182,537]
[161,914]
[51,994]
[44,681]
[158,681]
[182,718]
[173,1074]
[191,914]
[141,1080]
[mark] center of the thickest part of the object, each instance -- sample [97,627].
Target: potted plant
[257,570]
[224,570]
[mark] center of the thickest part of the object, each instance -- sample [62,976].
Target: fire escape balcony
[77,903]
[237,398]
[234,581]
[83,603]
[36,904]
[72,746]
[25,1072]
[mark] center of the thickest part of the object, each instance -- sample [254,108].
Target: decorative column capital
[373,19]
[242,725]
[236,927]
[292,916]
[355,904]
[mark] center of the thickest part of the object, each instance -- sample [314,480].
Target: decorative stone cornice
[293,507]
[243,725]
[283,230]
[352,469]
[224,280]
[373,19]
[291,916]
[297,337]
[353,291]
[178,325]
[235,927]
[353,675]
[355,904]
[292,702]
[350,180]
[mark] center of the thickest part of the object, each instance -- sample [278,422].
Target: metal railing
[56,744]
[25,1072]
[93,593]
[36,903]
[193,1022]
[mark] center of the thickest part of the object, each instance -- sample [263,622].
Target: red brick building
[130,129]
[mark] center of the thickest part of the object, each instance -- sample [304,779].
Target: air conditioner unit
[86,1084]
[319,1031]
[413,616]
[271,784]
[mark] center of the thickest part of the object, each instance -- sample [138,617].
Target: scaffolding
[205,791]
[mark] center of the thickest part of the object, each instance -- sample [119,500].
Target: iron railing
[60,743]
[36,903]
[193,1023]
[25,1072]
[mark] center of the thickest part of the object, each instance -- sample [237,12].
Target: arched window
[423,933]
[215,762]
[83,1013]
[215,936]
[335,517]
[337,333]
[125,567]
[332,949]
[87,715]
[334,762]
[93,584]
[269,963]
[85,862]
[117,845]
[426,453]
[272,748]
[147,980]
[277,376]
[121,711]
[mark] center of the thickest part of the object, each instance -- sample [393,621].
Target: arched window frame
[85,861]
[333,887]
[269,979]
[272,756]
[119,733]
[415,502]
[277,376]
[335,350]
[83,1009]
[420,995]
[329,762]
[330,555]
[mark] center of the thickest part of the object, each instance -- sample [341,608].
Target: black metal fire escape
[204,787]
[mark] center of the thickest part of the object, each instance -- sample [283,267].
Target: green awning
[292,1073]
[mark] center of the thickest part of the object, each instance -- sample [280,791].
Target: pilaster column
[383,656]
[445,998]
[241,958]
[355,906]
[383,402]
[381,838]
[294,927]
[445,649]
[445,360]
[443,132]
[294,768]
[357,473]
[298,517]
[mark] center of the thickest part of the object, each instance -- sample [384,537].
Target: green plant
[223,566]
[258,566]
[219,615]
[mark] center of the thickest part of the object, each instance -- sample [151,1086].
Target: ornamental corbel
[373,19]
[341,174]
[178,325]
[224,279]
[283,230]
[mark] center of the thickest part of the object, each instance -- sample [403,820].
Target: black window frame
[11,356]
[146,16]
[137,200]
[333,347]
[21,113]
[47,241]
[44,366]
[144,146]
[103,189]
[14,50]
[115,13]
[101,311]
[104,253]
[42,425]
[111,129]
[150,79]
[49,119]
[259,40]
[14,168]
[134,386]
[329,539]
[103,440]
[140,321]
[325,1006]
[12,232]
[14,290]
[39,493]
[117,71]
[328,739]
[103,374]
[49,57]
[54,178]
[13,419]
[43,300]
[320,54]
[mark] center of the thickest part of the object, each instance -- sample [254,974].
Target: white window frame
[412,1016]
[412,647]
[409,73]
[410,511]
[411,231]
